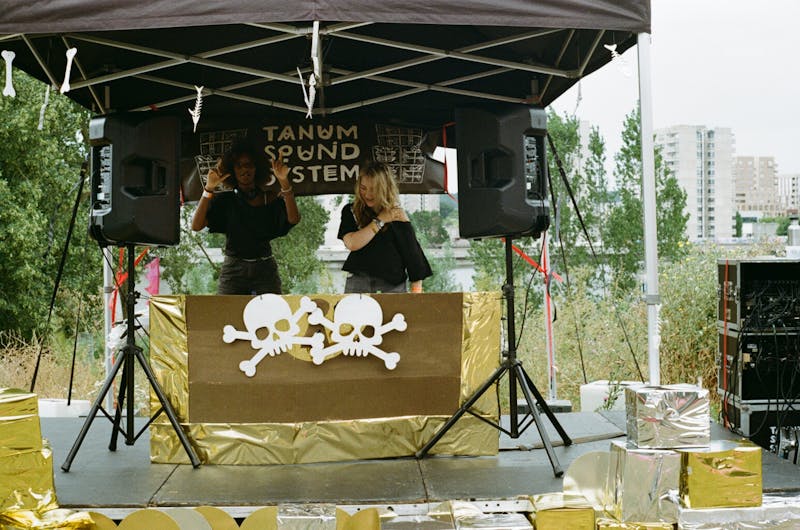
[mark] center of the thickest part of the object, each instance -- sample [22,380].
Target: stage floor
[116,483]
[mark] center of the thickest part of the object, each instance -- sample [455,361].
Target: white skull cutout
[271,328]
[357,330]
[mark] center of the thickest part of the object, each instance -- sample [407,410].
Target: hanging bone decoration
[357,330]
[271,328]
[44,107]
[70,55]
[198,106]
[316,75]
[8,90]
[622,64]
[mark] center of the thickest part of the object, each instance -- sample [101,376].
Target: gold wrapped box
[668,416]
[556,511]
[639,483]
[19,421]
[26,480]
[725,475]
[612,524]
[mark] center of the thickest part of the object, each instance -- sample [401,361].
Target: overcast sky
[719,63]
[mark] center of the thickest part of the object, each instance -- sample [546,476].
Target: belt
[253,260]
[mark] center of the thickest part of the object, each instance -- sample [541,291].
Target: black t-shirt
[248,229]
[393,254]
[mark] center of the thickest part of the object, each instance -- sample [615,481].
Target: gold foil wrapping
[57,518]
[26,480]
[611,524]
[640,482]
[557,511]
[285,443]
[669,416]
[725,475]
[19,422]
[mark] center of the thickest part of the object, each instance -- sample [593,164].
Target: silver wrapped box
[467,516]
[418,522]
[307,517]
[668,416]
[776,513]
[494,521]
[642,483]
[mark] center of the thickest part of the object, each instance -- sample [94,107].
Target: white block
[58,408]
[594,394]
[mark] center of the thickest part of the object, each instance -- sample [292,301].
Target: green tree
[624,232]
[39,178]
[738,225]
[432,236]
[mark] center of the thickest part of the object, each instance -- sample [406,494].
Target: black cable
[578,336]
[82,179]
[591,248]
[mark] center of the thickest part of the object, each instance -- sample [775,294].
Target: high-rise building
[789,192]
[701,158]
[756,184]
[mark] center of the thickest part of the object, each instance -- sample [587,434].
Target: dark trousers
[254,277]
[363,283]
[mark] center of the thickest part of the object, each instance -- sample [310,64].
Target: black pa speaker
[502,171]
[135,179]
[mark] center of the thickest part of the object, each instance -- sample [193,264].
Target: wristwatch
[378,223]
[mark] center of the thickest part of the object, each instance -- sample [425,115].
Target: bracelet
[285,192]
[207,194]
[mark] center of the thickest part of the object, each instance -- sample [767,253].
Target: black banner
[323,156]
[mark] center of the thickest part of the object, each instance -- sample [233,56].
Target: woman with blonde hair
[384,251]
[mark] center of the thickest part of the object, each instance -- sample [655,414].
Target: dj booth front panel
[245,400]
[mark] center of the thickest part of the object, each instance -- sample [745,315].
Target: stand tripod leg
[537,419]
[92,414]
[112,445]
[168,410]
[552,417]
[496,376]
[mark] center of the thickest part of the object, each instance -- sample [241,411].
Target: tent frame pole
[652,298]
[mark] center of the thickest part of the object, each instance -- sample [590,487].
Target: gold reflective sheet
[57,518]
[26,480]
[557,511]
[611,524]
[725,475]
[19,422]
[320,441]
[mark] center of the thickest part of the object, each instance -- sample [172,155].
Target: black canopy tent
[409,62]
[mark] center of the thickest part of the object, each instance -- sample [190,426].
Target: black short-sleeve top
[394,254]
[248,229]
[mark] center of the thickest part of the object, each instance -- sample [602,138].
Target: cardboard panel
[290,388]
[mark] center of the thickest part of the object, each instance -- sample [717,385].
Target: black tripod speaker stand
[516,376]
[125,360]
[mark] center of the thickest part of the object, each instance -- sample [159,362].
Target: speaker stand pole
[125,360]
[516,376]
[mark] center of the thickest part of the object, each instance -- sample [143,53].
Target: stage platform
[117,483]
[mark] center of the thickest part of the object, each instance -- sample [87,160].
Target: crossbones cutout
[357,330]
[271,328]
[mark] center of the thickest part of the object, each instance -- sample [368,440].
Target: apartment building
[701,158]
[756,185]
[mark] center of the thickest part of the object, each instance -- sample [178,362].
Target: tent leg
[652,297]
